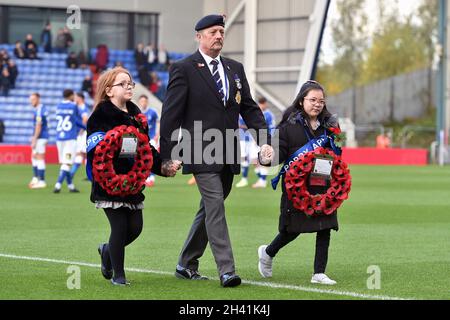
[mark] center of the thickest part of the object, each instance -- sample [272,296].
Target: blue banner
[91,142]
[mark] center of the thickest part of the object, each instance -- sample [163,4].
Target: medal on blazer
[238,82]
[238,97]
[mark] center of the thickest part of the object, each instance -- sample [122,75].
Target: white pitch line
[255,283]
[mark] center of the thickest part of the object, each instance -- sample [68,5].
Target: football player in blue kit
[153,130]
[81,138]
[249,149]
[38,142]
[68,125]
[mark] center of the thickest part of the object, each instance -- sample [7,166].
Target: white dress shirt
[223,77]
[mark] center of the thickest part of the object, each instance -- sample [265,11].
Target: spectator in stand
[2,130]
[72,61]
[3,57]
[152,57]
[144,76]
[87,86]
[31,48]
[68,38]
[83,60]
[13,72]
[139,55]
[46,38]
[31,51]
[163,59]
[19,51]
[60,43]
[102,57]
[5,82]
[155,83]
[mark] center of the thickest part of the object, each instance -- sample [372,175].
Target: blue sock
[35,172]
[41,175]
[74,169]
[68,177]
[245,172]
[259,175]
[62,176]
[262,177]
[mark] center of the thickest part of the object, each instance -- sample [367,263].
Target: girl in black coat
[308,113]
[114,108]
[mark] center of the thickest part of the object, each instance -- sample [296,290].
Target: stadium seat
[49,76]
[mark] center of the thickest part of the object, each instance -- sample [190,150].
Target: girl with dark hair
[306,118]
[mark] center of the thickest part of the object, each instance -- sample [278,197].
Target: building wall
[177,18]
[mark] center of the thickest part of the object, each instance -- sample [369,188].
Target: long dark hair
[297,106]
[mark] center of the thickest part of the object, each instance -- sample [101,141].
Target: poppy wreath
[103,168]
[327,203]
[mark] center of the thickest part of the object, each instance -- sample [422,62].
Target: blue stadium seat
[49,76]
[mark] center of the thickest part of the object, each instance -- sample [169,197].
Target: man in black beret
[209,91]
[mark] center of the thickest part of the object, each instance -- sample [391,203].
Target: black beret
[209,21]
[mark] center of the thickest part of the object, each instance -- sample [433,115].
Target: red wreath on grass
[103,168]
[327,203]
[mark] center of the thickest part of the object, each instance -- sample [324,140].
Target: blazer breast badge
[238,83]
[238,97]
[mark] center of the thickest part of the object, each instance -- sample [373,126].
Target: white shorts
[39,148]
[66,151]
[249,149]
[81,142]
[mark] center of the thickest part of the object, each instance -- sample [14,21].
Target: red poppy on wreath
[106,151]
[326,203]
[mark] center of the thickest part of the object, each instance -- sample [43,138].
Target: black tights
[322,244]
[126,226]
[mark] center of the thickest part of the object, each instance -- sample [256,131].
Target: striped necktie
[217,79]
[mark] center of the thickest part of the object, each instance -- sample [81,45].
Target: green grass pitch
[397,219]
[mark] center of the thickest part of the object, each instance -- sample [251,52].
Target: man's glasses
[125,85]
[317,101]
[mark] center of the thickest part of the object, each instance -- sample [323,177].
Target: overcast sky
[406,7]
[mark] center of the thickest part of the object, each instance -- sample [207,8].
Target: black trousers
[322,244]
[126,226]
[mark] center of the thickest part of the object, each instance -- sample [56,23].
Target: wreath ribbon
[92,141]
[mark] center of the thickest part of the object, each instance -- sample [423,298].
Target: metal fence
[394,99]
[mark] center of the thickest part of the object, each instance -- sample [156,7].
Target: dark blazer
[192,96]
[105,117]
[291,138]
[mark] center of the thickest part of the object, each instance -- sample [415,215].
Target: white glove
[266,154]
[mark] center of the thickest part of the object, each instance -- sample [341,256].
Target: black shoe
[120,282]
[107,271]
[230,280]
[189,274]
[56,190]
[74,190]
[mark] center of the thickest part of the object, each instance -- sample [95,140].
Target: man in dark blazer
[205,95]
